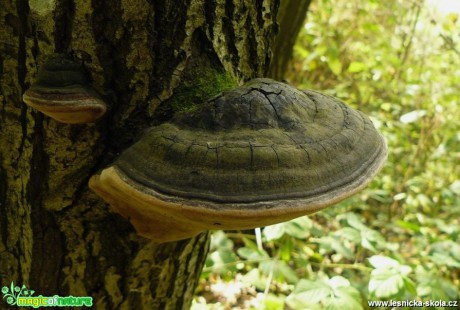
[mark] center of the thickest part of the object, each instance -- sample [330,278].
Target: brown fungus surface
[62,91]
[256,155]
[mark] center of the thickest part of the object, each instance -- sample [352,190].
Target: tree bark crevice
[291,18]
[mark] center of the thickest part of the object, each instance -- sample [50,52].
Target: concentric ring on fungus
[62,92]
[260,154]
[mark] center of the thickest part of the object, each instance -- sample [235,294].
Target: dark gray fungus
[260,154]
[62,91]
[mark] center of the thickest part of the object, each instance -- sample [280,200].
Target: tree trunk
[291,18]
[148,59]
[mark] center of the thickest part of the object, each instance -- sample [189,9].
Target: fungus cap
[260,154]
[62,92]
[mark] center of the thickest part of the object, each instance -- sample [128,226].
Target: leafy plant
[398,61]
[389,279]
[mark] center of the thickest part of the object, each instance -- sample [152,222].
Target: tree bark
[291,18]
[148,59]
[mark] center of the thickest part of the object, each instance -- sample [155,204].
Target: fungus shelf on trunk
[259,154]
[62,92]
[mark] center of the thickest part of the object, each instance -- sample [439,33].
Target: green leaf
[385,283]
[334,293]
[455,187]
[286,249]
[321,50]
[412,116]
[409,285]
[408,225]
[350,234]
[389,278]
[252,254]
[432,286]
[301,51]
[335,65]
[329,243]
[446,253]
[256,278]
[383,262]
[444,259]
[219,240]
[354,221]
[299,228]
[308,294]
[221,262]
[372,239]
[356,66]
[274,232]
[345,298]
[273,302]
[280,270]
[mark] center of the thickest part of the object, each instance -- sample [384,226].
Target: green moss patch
[198,90]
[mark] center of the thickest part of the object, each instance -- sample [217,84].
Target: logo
[22,297]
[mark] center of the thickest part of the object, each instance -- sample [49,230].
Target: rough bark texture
[148,59]
[291,17]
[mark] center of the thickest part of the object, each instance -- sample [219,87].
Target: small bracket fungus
[62,91]
[256,155]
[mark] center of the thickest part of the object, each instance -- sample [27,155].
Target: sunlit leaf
[274,232]
[220,240]
[399,196]
[389,278]
[335,293]
[308,294]
[280,270]
[287,249]
[329,243]
[385,283]
[446,253]
[273,302]
[256,278]
[408,225]
[335,65]
[455,187]
[353,220]
[350,234]
[356,66]
[412,116]
[372,240]
[383,262]
[433,286]
[413,89]
[252,254]
[299,227]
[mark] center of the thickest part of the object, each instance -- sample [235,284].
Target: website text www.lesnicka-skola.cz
[413,303]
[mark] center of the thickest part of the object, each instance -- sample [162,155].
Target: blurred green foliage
[399,62]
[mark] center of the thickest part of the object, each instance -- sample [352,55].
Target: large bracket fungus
[62,91]
[256,155]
